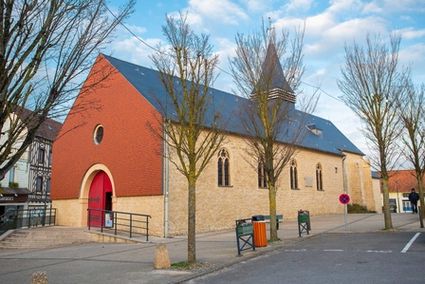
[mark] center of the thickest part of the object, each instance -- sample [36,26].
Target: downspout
[345,186]
[360,167]
[344,174]
[165,184]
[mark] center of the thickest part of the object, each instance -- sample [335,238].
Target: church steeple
[273,79]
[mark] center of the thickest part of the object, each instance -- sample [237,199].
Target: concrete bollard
[39,277]
[162,261]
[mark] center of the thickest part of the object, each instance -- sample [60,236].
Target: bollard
[39,277]
[162,261]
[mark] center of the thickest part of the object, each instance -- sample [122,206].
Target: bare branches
[186,72]
[372,82]
[411,107]
[45,48]
[270,117]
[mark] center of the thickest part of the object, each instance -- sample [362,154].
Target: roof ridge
[146,81]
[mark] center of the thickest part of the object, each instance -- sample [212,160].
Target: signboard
[344,198]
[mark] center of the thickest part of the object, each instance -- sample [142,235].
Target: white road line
[333,250]
[380,251]
[406,248]
[295,250]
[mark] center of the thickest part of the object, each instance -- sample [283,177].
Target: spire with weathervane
[272,79]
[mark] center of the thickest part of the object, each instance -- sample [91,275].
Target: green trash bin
[303,222]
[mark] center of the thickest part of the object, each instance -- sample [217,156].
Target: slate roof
[48,130]
[230,107]
[375,175]
[272,69]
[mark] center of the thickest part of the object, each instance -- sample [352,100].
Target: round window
[98,134]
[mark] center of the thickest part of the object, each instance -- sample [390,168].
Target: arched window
[223,168]
[319,181]
[293,175]
[262,181]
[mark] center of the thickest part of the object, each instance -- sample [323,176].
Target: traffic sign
[344,198]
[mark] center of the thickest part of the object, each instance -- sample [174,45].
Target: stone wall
[219,207]
[73,212]
[359,181]
[376,185]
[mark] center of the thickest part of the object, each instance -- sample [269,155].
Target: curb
[275,247]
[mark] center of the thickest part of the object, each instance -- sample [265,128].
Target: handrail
[27,218]
[117,222]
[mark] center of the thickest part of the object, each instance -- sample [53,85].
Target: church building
[108,157]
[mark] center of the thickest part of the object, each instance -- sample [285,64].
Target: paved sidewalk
[132,263]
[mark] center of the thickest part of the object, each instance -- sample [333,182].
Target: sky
[329,25]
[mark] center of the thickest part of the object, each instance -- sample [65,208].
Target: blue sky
[329,25]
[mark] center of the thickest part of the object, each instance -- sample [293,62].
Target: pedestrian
[413,198]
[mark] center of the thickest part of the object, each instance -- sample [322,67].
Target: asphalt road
[335,258]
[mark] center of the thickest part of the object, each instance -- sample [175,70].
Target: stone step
[45,237]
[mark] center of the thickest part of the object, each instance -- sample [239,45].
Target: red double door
[100,198]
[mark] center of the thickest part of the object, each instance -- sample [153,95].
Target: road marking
[380,251]
[333,250]
[406,248]
[295,250]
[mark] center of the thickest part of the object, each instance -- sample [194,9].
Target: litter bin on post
[303,222]
[260,235]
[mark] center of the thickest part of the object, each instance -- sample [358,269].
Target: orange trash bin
[260,235]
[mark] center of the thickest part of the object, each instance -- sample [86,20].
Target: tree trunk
[191,230]
[421,199]
[272,206]
[387,213]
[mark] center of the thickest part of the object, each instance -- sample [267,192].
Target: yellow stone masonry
[219,207]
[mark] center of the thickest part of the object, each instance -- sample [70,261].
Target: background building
[28,182]
[400,184]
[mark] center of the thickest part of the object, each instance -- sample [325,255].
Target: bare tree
[372,80]
[186,72]
[269,116]
[46,46]
[411,108]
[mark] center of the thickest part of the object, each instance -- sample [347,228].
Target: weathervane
[270,27]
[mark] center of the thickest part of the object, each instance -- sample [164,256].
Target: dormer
[314,129]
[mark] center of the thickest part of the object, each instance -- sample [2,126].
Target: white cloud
[222,11]
[338,6]
[132,50]
[410,33]
[413,54]
[226,48]
[317,25]
[296,5]
[394,6]
[355,28]
[289,23]
[136,29]
[372,8]
[257,5]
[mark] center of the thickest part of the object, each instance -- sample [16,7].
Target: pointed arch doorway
[100,198]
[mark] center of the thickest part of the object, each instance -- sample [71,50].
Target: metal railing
[27,218]
[118,223]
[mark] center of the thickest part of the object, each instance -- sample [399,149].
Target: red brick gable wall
[130,149]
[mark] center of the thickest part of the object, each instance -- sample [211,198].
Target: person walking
[413,198]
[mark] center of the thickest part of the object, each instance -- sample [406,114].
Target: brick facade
[128,149]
